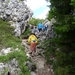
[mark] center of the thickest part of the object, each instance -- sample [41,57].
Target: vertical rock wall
[16,11]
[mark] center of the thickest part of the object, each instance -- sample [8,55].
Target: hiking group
[33,40]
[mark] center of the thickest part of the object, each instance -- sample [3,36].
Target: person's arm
[29,40]
[36,40]
[38,26]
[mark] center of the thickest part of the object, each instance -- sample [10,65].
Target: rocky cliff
[17,12]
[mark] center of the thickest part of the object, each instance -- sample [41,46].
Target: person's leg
[33,47]
[39,30]
[35,51]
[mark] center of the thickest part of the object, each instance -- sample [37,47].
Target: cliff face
[16,11]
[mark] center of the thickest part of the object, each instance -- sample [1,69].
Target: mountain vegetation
[35,21]
[60,50]
[7,40]
[62,47]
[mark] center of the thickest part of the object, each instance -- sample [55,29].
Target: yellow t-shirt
[32,38]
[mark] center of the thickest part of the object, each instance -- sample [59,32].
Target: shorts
[33,46]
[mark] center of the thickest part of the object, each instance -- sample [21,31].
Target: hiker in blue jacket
[40,26]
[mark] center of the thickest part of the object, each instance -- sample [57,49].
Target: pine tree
[64,13]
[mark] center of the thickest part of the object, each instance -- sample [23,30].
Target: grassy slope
[8,40]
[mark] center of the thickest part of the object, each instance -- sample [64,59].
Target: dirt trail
[41,67]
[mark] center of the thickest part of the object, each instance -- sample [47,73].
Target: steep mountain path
[41,67]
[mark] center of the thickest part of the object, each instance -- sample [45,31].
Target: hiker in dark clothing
[35,30]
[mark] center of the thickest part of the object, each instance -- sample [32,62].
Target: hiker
[33,41]
[40,26]
[46,27]
[35,30]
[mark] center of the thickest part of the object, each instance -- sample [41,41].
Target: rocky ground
[41,67]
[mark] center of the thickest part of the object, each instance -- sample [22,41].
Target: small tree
[35,21]
[64,13]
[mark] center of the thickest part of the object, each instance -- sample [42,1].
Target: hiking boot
[30,52]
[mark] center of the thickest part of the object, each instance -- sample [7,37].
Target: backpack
[34,41]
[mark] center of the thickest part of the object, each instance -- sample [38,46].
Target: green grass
[7,39]
[26,33]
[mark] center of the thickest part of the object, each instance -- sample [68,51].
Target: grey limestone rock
[16,11]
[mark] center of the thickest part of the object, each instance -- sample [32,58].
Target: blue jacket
[40,25]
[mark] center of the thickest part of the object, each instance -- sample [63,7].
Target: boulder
[16,11]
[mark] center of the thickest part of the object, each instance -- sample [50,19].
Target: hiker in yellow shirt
[33,41]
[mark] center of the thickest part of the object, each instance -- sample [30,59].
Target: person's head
[32,33]
[35,27]
[41,22]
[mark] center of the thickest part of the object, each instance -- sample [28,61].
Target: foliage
[26,33]
[35,21]
[64,13]
[7,39]
[49,48]
[51,14]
